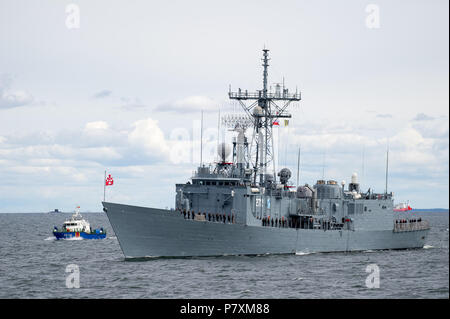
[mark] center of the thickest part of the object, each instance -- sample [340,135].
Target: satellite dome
[258,111]
[223,150]
[355,178]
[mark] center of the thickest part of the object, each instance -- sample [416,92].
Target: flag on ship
[109,180]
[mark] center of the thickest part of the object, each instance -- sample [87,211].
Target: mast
[218,130]
[263,104]
[387,168]
[264,110]
[362,169]
[201,141]
[298,166]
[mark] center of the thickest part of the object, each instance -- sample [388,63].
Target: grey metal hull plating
[150,232]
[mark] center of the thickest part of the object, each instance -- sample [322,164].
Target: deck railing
[411,226]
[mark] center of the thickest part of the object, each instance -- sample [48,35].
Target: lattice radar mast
[264,111]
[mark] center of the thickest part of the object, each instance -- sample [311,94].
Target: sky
[119,86]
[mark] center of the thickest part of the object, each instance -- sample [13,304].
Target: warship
[242,206]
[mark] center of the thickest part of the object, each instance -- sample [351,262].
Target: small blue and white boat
[77,227]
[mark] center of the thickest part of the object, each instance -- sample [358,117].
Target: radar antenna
[264,111]
[239,122]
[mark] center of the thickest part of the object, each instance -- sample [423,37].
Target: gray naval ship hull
[150,232]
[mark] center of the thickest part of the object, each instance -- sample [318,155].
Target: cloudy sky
[89,86]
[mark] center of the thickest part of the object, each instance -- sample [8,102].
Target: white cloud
[190,104]
[423,117]
[147,134]
[102,94]
[95,126]
[10,98]
[132,103]
[436,128]
[15,98]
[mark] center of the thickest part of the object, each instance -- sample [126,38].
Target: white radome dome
[258,111]
[223,150]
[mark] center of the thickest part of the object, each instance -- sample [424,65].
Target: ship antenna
[298,166]
[387,168]
[265,111]
[218,130]
[323,165]
[201,141]
[363,159]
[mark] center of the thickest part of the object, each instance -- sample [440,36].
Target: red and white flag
[109,180]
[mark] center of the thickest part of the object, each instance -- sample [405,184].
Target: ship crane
[266,108]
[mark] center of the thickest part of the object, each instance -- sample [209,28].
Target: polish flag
[109,180]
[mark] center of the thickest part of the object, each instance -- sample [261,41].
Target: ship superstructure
[241,205]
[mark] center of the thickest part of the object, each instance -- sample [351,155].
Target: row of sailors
[404,221]
[222,218]
[275,222]
[296,223]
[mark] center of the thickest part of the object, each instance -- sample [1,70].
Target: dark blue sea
[33,265]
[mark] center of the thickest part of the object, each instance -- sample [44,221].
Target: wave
[428,247]
[74,238]
[50,238]
[302,253]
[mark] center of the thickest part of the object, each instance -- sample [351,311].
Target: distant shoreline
[430,210]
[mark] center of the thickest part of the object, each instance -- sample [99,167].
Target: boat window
[220,183]
[208,183]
